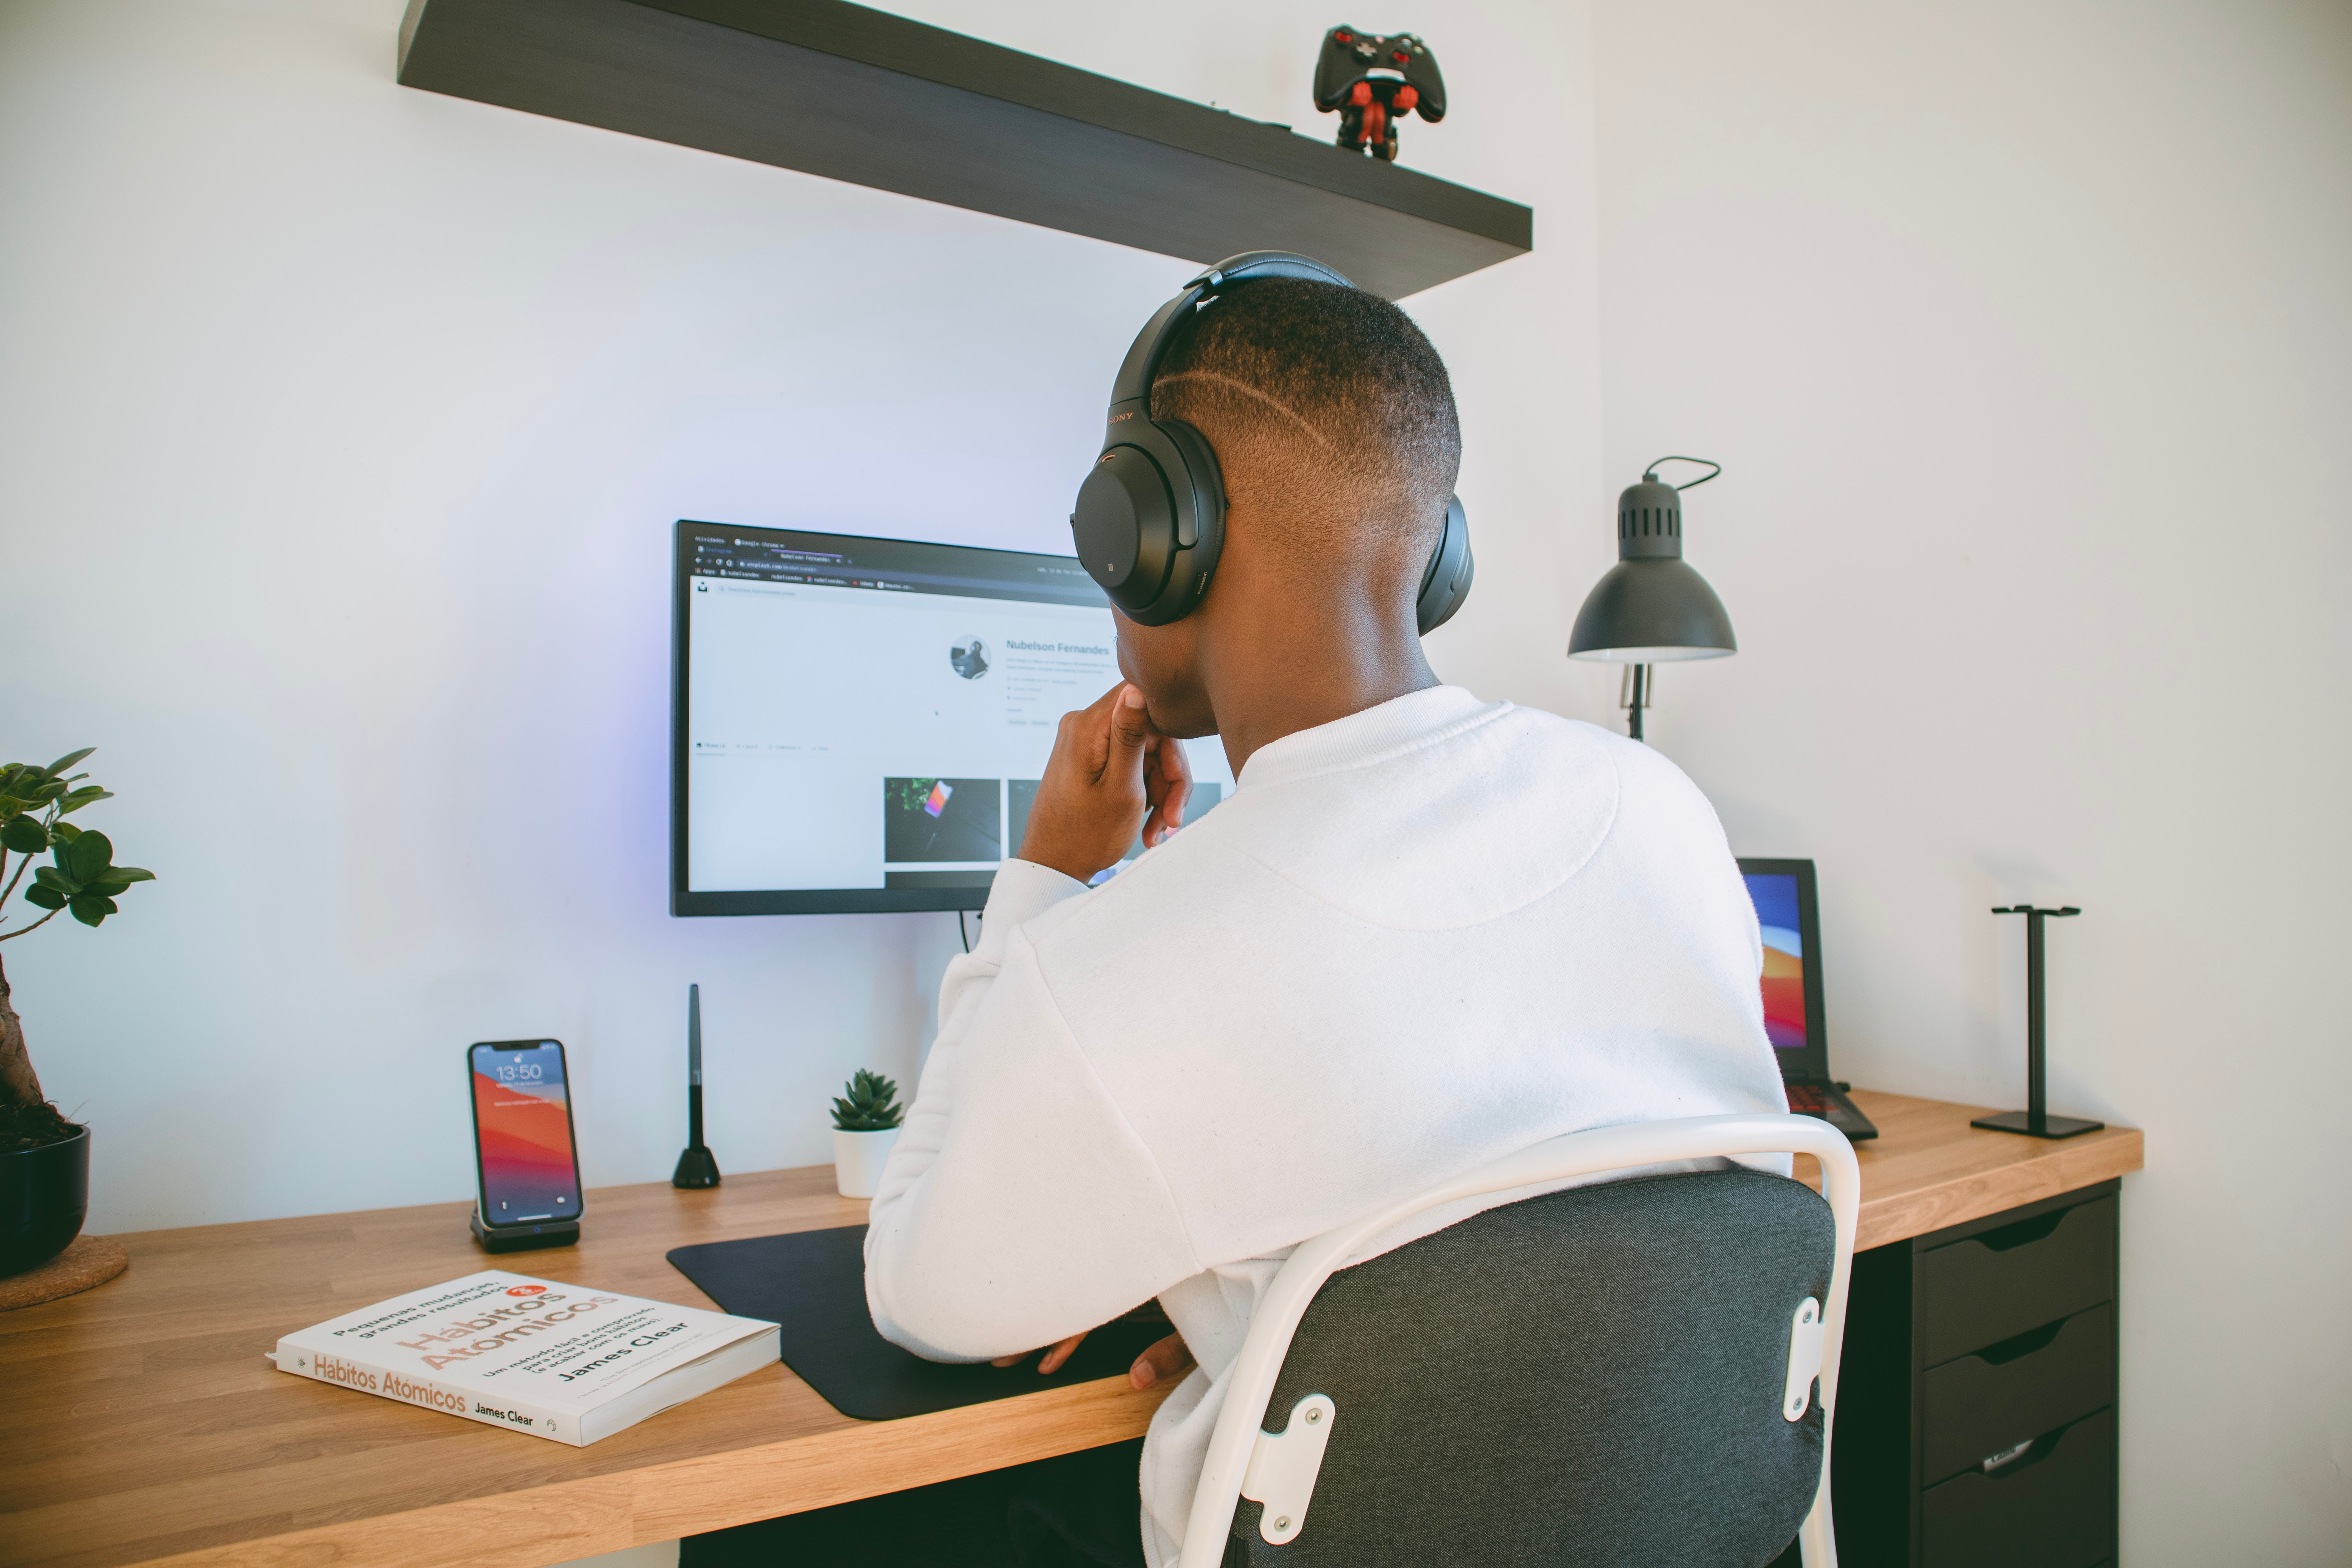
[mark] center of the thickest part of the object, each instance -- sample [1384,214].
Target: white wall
[2024,332]
[342,427]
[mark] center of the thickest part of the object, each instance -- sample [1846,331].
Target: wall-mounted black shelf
[853,94]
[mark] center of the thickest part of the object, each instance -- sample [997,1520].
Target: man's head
[1333,422]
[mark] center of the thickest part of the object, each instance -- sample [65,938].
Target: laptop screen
[1784,959]
[1782,891]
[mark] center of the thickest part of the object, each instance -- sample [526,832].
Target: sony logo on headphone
[1117,417]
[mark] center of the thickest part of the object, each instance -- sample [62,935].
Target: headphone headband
[1151,344]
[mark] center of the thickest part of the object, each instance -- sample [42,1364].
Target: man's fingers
[1169,785]
[1131,733]
[1084,737]
[1169,1359]
[1053,1358]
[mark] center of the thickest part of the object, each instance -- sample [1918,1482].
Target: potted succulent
[864,1124]
[43,1157]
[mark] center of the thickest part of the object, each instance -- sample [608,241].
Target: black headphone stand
[2035,1121]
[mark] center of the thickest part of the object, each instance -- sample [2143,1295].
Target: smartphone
[523,1157]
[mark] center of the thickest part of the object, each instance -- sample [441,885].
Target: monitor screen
[1775,895]
[860,724]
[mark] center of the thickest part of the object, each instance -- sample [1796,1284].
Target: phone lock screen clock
[522,1133]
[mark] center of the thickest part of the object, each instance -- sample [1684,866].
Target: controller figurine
[1371,80]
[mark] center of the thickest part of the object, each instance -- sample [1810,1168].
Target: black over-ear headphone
[1151,516]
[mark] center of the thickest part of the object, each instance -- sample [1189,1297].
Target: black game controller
[1371,80]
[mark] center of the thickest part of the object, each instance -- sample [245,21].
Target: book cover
[561,1362]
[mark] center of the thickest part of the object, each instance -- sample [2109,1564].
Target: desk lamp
[1651,609]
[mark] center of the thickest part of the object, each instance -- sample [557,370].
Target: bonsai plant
[43,1157]
[866,1120]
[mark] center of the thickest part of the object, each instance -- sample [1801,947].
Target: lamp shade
[1652,607]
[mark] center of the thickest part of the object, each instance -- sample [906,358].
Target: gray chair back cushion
[1591,1377]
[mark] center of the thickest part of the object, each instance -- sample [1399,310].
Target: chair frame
[1238,1431]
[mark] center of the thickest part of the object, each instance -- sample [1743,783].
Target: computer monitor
[1782,891]
[859,725]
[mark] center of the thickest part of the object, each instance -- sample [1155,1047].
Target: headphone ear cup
[1201,529]
[1124,528]
[1445,582]
[1150,522]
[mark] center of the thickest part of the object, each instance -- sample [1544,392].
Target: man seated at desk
[1424,931]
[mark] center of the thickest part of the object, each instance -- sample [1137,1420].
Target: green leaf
[88,795]
[123,876]
[51,876]
[18,781]
[86,857]
[48,791]
[24,835]
[63,833]
[44,896]
[90,908]
[68,760]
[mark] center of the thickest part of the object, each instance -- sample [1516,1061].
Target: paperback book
[530,1355]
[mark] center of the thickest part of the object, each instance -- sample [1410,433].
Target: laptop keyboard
[1804,1100]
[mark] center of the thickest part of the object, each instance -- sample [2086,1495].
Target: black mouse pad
[812,1283]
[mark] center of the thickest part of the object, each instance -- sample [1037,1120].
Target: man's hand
[1110,771]
[1164,1361]
[1051,1361]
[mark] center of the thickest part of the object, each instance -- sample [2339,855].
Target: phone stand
[523,1238]
[2035,1121]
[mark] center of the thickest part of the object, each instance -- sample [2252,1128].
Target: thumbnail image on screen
[524,1126]
[860,723]
[1775,895]
[940,819]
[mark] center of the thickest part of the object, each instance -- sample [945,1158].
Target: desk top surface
[139,1422]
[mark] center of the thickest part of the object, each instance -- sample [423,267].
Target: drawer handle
[2023,1232]
[2007,1456]
[2017,1347]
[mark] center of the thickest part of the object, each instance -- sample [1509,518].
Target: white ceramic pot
[857,1160]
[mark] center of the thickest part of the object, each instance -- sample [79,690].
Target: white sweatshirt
[1410,942]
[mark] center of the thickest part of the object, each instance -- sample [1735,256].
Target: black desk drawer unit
[1978,1407]
[2015,1278]
[1975,1417]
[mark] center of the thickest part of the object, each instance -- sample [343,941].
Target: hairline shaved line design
[1279,407]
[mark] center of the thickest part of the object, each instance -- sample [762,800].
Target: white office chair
[1689,1230]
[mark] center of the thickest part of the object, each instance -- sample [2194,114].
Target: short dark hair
[1338,387]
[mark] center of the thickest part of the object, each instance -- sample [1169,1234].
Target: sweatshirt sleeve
[1018,1206]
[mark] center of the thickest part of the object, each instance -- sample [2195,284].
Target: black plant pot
[44,1195]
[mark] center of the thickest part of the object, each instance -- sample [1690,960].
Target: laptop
[1784,894]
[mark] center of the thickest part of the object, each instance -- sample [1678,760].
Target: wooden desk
[1927,1168]
[139,1423]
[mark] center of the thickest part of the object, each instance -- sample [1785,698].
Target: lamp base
[2032,1126]
[697,1167]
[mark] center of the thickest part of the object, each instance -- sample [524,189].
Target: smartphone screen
[522,1133]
